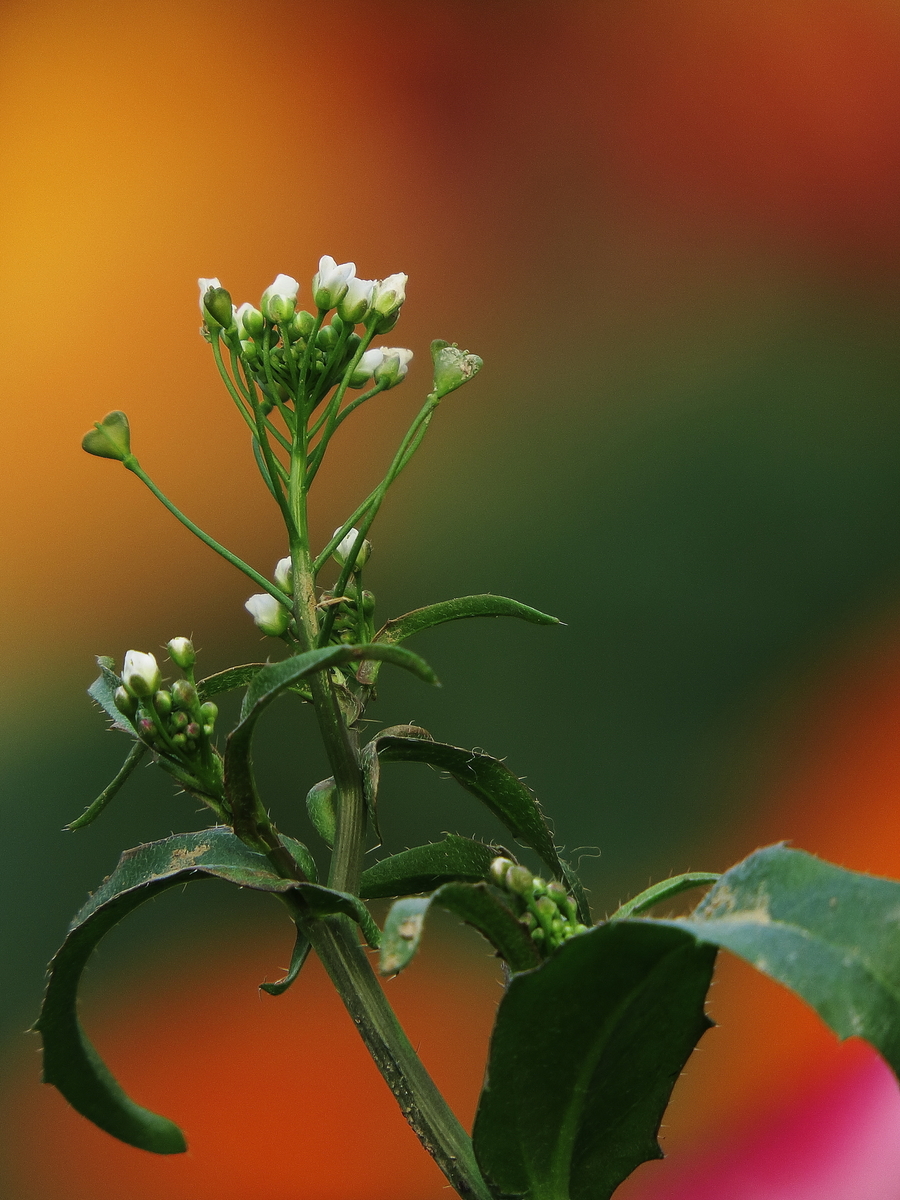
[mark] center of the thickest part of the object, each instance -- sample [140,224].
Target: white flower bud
[215,305]
[394,366]
[271,618]
[181,652]
[141,674]
[330,282]
[205,285]
[389,294]
[357,300]
[280,299]
[345,546]
[367,365]
[249,320]
[284,575]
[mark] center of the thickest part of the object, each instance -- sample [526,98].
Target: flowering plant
[598,1017]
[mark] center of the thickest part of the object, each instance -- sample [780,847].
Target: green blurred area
[712,517]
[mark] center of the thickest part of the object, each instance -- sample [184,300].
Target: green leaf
[298,958]
[93,810]
[370,768]
[70,1061]
[233,678]
[425,868]
[583,1059]
[477,905]
[658,893]
[102,692]
[503,792]
[486,605]
[832,936]
[267,685]
[325,902]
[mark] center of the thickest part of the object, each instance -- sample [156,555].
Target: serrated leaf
[424,868]
[475,904]
[462,608]
[583,1059]
[102,692]
[496,786]
[93,810]
[70,1061]
[299,956]
[831,935]
[267,685]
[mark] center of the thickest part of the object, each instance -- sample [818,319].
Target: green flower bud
[162,702]
[181,651]
[125,702]
[393,367]
[184,695]
[389,294]
[209,712]
[320,804]
[193,729]
[279,300]
[546,908]
[557,893]
[179,721]
[215,305]
[327,338]
[251,320]
[519,880]
[110,438]
[179,740]
[270,617]
[368,605]
[303,323]
[357,300]
[330,282]
[452,367]
[498,869]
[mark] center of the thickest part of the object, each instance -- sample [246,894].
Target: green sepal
[70,1061]
[496,786]
[93,810]
[320,804]
[831,935]
[102,691]
[667,889]
[425,868]
[583,1058]
[299,956]
[463,607]
[477,905]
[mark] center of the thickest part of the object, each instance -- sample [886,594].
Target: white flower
[394,366]
[205,285]
[389,294]
[330,282]
[140,674]
[345,546]
[284,575]
[280,299]
[367,365]
[271,617]
[357,300]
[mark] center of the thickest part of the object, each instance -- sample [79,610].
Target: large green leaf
[70,1061]
[503,792]
[583,1059]
[463,607]
[473,903]
[425,868]
[832,936]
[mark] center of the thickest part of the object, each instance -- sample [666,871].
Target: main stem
[334,938]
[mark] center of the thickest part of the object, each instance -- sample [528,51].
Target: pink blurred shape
[841,1143]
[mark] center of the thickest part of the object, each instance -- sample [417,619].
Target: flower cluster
[172,721]
[545,909]
[291,353]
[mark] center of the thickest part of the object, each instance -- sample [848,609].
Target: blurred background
[670,229]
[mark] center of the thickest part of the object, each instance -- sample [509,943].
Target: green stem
[334,404]
[130,463]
